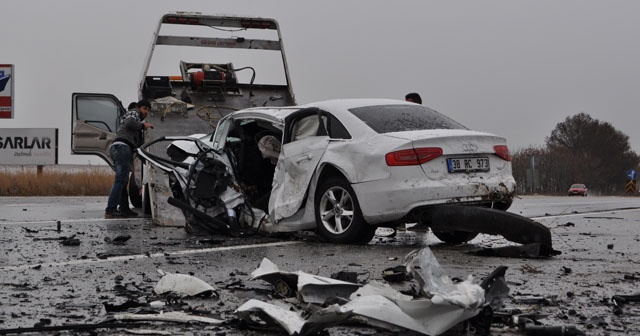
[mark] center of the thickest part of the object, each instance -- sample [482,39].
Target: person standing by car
[129,136]
[131,110]
[413,97]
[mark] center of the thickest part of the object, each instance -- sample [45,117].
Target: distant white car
[342,167]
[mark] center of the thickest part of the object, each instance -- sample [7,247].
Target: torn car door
[304,143]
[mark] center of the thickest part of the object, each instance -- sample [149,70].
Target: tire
[455,237]
[134,192]
[338,215]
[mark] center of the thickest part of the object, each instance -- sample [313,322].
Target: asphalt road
[46,283]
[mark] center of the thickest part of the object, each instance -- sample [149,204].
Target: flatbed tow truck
[198,69]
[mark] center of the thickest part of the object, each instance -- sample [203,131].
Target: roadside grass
[30,182]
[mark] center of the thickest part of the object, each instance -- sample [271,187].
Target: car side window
[221,131]
[314,125]
[307,123]
[305,127]
[334,127]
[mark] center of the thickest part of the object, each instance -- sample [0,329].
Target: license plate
[468,164]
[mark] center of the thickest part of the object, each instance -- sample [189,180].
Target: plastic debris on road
[440,306]
[182,284]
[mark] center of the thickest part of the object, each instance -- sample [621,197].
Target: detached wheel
[338,215]
[455,237]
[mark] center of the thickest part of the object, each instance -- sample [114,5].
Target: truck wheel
[146,201]
[455,237]
[134,192]
[338,215]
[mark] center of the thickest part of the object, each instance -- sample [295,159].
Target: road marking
[584,213]
[79,220]
[24,205]
[143,256]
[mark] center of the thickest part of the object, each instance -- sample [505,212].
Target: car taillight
[412,157]
[503,152]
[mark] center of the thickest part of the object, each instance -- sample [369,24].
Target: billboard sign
[28,146]
[6,91]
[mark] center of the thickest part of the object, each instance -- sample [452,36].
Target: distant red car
[578,189]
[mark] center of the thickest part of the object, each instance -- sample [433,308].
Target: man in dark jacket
[129,136]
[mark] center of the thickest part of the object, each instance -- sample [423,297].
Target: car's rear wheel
[338,215]
[455,237]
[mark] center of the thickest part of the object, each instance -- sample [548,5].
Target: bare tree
[579,150]
[597,154]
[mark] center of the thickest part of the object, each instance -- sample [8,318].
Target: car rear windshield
[398,118]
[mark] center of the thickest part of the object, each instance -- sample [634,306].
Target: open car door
[305,140]
[95,119]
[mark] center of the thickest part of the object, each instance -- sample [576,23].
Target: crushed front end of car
[203,187]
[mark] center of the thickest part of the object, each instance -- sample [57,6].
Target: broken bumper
[381,201]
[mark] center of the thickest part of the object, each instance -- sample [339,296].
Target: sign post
[28,146]
[632,175]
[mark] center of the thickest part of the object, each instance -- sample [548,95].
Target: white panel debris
[174,316]
[310,288]
[441,305]
[290,321]
[182,284]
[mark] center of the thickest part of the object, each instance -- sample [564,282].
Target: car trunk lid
[463,151]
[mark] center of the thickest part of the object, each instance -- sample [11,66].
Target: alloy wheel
[336,210]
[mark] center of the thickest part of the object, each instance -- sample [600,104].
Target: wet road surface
[43,282]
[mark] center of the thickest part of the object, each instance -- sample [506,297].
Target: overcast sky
[510,67]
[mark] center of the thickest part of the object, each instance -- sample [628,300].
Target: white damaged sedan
[341,167]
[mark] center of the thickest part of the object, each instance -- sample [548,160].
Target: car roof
[339,107]
[346,104]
